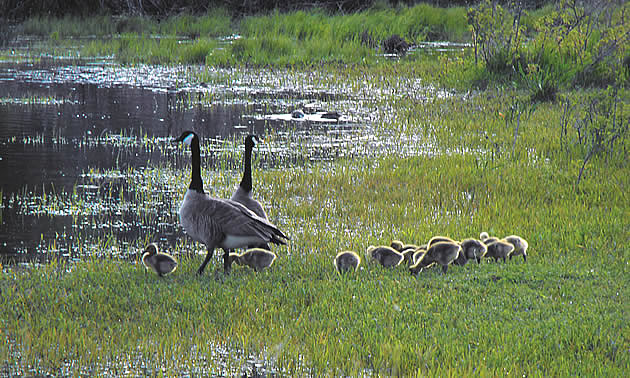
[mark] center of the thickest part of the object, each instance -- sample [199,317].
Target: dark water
[65,128]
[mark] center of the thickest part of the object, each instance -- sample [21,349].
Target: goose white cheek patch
[188,139]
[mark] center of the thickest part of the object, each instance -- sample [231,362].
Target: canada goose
[499,249]
[420,261]
[487,239]
[243,193]
[520,246]
[347,261]
[386,256]
[417,254]
[255,258]
[471,249]
[408,255]
[159,262]
[439,239]
[397,245]
[442,253]
[217,222]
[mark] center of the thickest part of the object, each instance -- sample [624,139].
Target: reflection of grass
[561,313]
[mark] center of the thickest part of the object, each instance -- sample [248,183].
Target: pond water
[75,131]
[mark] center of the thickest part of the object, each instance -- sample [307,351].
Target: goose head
[251,141]
[186,138]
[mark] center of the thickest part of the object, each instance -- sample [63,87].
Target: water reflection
[61,127]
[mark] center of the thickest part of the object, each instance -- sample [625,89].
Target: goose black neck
[196,183]
[246,182]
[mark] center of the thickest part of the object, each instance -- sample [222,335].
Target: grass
[560,313]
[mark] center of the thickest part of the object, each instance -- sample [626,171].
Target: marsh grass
[560,313]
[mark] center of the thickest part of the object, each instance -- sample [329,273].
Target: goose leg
[205,262]
[524,258]
[226,261]
[444,268]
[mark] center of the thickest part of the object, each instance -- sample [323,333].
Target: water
[76,139]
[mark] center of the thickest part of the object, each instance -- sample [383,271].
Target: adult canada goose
[442,253]
[218,222]
[520,246]
[347,261]
[386,256]
[471,249]
[243,193]
[159,262]
[499,249]
[255,258]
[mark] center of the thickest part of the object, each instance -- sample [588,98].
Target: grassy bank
[561,313]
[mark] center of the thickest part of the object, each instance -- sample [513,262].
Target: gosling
[159,262]
[408,255]
[347,261]
[442,253]
[400,246]
[499,249]
[421,261]
[520,246]
[255,258]
[439,239]
[471,249]
[386,256]
[487,239]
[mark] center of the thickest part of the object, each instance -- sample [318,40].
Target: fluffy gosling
[442,253]
[499,249]
[255,258]
[347,261]
[420,261]
[439,239]
[520,246]
[386,256]
[471,249]
[159,262]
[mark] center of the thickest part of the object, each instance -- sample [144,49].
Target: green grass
[562,313]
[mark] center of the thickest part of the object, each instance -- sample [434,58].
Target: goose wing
[239,220]
[209,219]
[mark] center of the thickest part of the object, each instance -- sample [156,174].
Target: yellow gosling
[471,249]
[408,255]
[439,239]
[442,253]
[255,258]
[499,249]
[520,246]
[386,256]
[160,263]
[347,261]
[421,261]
